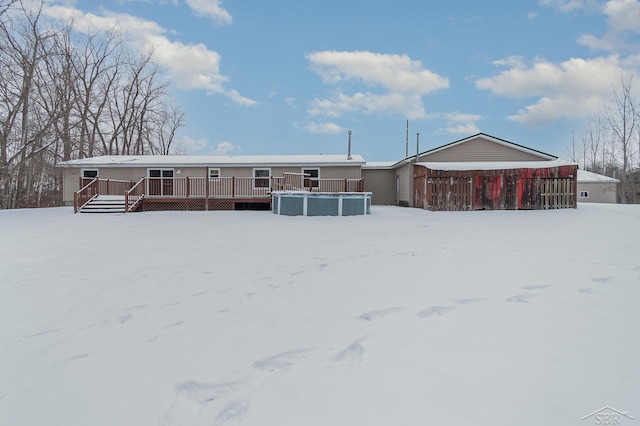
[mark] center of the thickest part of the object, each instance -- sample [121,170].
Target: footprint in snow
[197,403]
[371,315]
[469,300]
[281,361]
[534,287]
[435,310]
[520,298]
[352,354]
[587,290]
[233,410]
[602,280]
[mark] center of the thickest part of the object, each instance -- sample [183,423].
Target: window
[584,194]
[160,182]
[90,173]
[312,179]
[261,178]
[214,173]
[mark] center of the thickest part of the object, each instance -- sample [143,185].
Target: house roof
[379,164]
[213,161]
[494,165]
[499,141]
[394,164]
[590,177]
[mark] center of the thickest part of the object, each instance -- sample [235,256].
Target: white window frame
[162,169]
[315,183]
[161,180]
[584,194]
[82,171]
[268,178]
[211,169]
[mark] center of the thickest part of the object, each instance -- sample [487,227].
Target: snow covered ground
[403,317]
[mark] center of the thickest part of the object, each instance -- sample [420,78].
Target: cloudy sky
[292,77]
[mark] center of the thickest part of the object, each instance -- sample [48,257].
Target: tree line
[609,143]
[66,94]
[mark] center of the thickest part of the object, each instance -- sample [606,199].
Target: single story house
[596,188]
[170,182]
[477,172]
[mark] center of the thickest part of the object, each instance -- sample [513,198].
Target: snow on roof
[494,165]
[379,164]
[199,160]
[590,177]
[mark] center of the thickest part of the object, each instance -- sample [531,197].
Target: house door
[160,182]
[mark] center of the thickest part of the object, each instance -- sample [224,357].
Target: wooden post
[188,188]
[233,187]
[345,185]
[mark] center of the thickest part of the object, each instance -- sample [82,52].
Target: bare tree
[65,95]
[622,119]
[25,131]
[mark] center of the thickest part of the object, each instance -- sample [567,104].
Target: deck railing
[133,197]
[228,188]
[87,191]
[238,187]
[92,187]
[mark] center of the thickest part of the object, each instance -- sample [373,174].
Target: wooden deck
[201,193]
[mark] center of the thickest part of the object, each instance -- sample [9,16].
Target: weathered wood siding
[510,189]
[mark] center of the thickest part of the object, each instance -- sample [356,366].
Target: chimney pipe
[417,146]
[349,150]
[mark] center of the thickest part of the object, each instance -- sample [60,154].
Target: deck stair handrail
[133,197]
[95,187]
[85,194]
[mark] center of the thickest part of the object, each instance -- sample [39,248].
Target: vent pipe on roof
[406,141]
[417,146]
[349,149]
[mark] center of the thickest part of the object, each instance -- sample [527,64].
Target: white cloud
[574,88]
[192,66]
[402,80]
[623,15]
[211,9]
[202,146]
[191,145]
[461,124]
[564,5]
[331,128]
[224,148]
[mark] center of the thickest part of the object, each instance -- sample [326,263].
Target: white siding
[598,192]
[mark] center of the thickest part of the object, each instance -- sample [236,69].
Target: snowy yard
[402,317]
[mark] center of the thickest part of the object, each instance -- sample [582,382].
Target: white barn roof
[590,177]
[208,161]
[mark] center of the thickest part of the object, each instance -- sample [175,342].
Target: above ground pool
[302,203]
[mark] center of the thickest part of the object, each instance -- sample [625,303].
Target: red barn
[517,185]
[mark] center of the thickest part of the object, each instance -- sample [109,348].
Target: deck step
[105,204]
